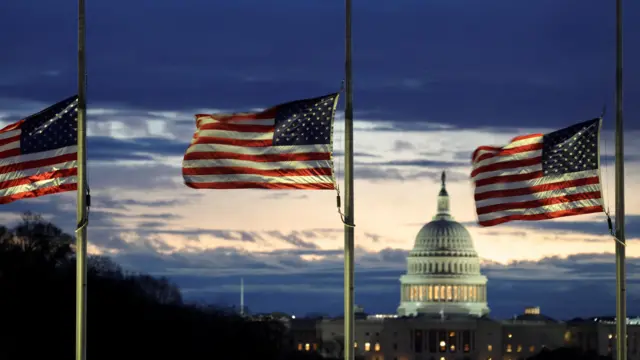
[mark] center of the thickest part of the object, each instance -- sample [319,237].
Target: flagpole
[81,231]
[349,351]
[621,311]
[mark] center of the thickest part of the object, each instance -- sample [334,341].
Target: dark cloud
[402,145]
[143,148]
[596,227]
[113,203]
[420,163]
[293,238]
[141,177]
[547,69]
[355,154]
[379,173]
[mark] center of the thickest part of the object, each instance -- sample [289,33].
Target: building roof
[534,318]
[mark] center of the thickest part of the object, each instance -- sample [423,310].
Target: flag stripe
[262,185]
[249,178]
[13,139]
[232,142]
[540,199]
[261,151]
[256,158]
[229,170]
[534,177]
[236,134]
[41,190]
[515,142]
[272,165]
[489,158]
[238,127]
[543,216]
[37,160]
[7,187]
[30,173]
[532,188]
[239,117]
[533,162]
[285,147]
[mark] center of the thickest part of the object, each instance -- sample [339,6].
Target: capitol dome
[443,269]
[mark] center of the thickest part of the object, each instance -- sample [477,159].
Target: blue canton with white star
[572,149]
[52,128]
[304,122]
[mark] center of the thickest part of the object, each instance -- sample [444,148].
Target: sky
[432,81]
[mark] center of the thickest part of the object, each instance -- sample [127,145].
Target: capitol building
[443,312]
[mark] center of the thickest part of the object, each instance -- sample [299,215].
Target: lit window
[299,346]
[489,348]
[307,346]
[452,348]
[567,336]
[315,347]
[509,348]
[610,336]
[376,347]
[355,344]
[452,334]
[509,336]
[367,346]
[519,348]
[467,347]
[532,348]
[443,344]
[442,358]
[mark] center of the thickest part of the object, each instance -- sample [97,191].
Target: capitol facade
[443,313]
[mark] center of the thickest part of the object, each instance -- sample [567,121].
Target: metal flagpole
[621,311]
[349,353]
[81,231]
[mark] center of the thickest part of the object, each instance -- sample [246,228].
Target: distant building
[443,312]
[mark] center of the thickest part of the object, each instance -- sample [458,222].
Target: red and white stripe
[510,185]
[34,175]
[236,152]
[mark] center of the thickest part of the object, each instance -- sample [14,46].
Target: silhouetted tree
[130,316]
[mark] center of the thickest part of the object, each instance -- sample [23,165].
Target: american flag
[38,155]
[288,146]
[539,176]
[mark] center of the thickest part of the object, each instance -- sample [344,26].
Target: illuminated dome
[443,269]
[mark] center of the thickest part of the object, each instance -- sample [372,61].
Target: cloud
[143,148]
[596,226]
[421,163]
[401,145]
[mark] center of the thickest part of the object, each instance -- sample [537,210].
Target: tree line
[129,315]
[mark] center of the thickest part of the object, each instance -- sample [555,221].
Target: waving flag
[38,155]
[288,146]
[539,176]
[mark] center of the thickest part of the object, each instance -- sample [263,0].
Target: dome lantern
[443,201]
